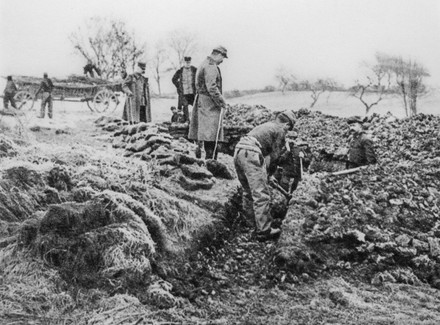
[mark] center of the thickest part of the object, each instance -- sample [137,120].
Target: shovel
[277,186]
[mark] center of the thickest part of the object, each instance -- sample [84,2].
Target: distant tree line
[387,75]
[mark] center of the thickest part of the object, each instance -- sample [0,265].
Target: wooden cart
[100,95]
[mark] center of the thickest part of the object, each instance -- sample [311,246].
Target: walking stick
[218,132]
[130,109]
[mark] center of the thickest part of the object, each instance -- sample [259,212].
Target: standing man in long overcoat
[137,105]
[206,119]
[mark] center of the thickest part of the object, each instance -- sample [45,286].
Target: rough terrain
[122,225]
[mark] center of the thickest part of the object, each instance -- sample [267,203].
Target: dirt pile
[382,221]
[174,157]
[238,120]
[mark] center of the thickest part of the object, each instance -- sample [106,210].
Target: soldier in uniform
[256,156]
[137,105]
[206,119]
[361,150]
[46,87]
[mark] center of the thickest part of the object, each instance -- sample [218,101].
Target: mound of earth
[382,222]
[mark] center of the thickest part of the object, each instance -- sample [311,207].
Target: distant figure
[89,68]
[177,116]
[361,151]
[207,115]
[137,105]
[123,72]
[46,87]
[185,81]
[9,93]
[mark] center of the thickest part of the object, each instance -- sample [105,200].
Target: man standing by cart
[207,115]
[9,93]
[184,80]
[46,87]
[137,105]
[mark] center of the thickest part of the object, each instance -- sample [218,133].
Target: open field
[338,103]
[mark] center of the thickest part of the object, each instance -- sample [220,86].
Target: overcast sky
[313,38]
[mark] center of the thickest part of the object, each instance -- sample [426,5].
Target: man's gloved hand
[301,154]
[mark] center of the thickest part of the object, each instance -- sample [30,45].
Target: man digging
[255,156]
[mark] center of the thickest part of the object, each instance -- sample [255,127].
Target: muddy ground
[228,278]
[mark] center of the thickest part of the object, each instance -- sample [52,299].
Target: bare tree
[108,44]
[377,81]
[408,75]
[285,78]
[181,43]
[159,64]
[319,87]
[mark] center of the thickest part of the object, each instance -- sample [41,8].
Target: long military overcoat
[206,116]
[137,108]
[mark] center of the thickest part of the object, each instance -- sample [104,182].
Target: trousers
[46,99]
[251,171]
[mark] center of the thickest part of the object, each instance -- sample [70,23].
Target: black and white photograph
[205,162]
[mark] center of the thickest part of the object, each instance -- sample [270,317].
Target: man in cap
[137,106]
[256,156]
[185,81]
[46,87]
[207,115]
[9,93]
[361,150]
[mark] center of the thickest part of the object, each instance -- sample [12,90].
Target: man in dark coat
[207,115]
[292,163]
[137,106]
[185,81]
[256,156]
[361,151]
[46,87]
[90,68]
[9,93]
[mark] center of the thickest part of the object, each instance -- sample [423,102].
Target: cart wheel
[105,100]
[24,100]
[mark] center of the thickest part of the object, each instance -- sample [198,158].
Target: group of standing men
[201,88]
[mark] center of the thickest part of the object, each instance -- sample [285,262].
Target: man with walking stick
[207,115]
